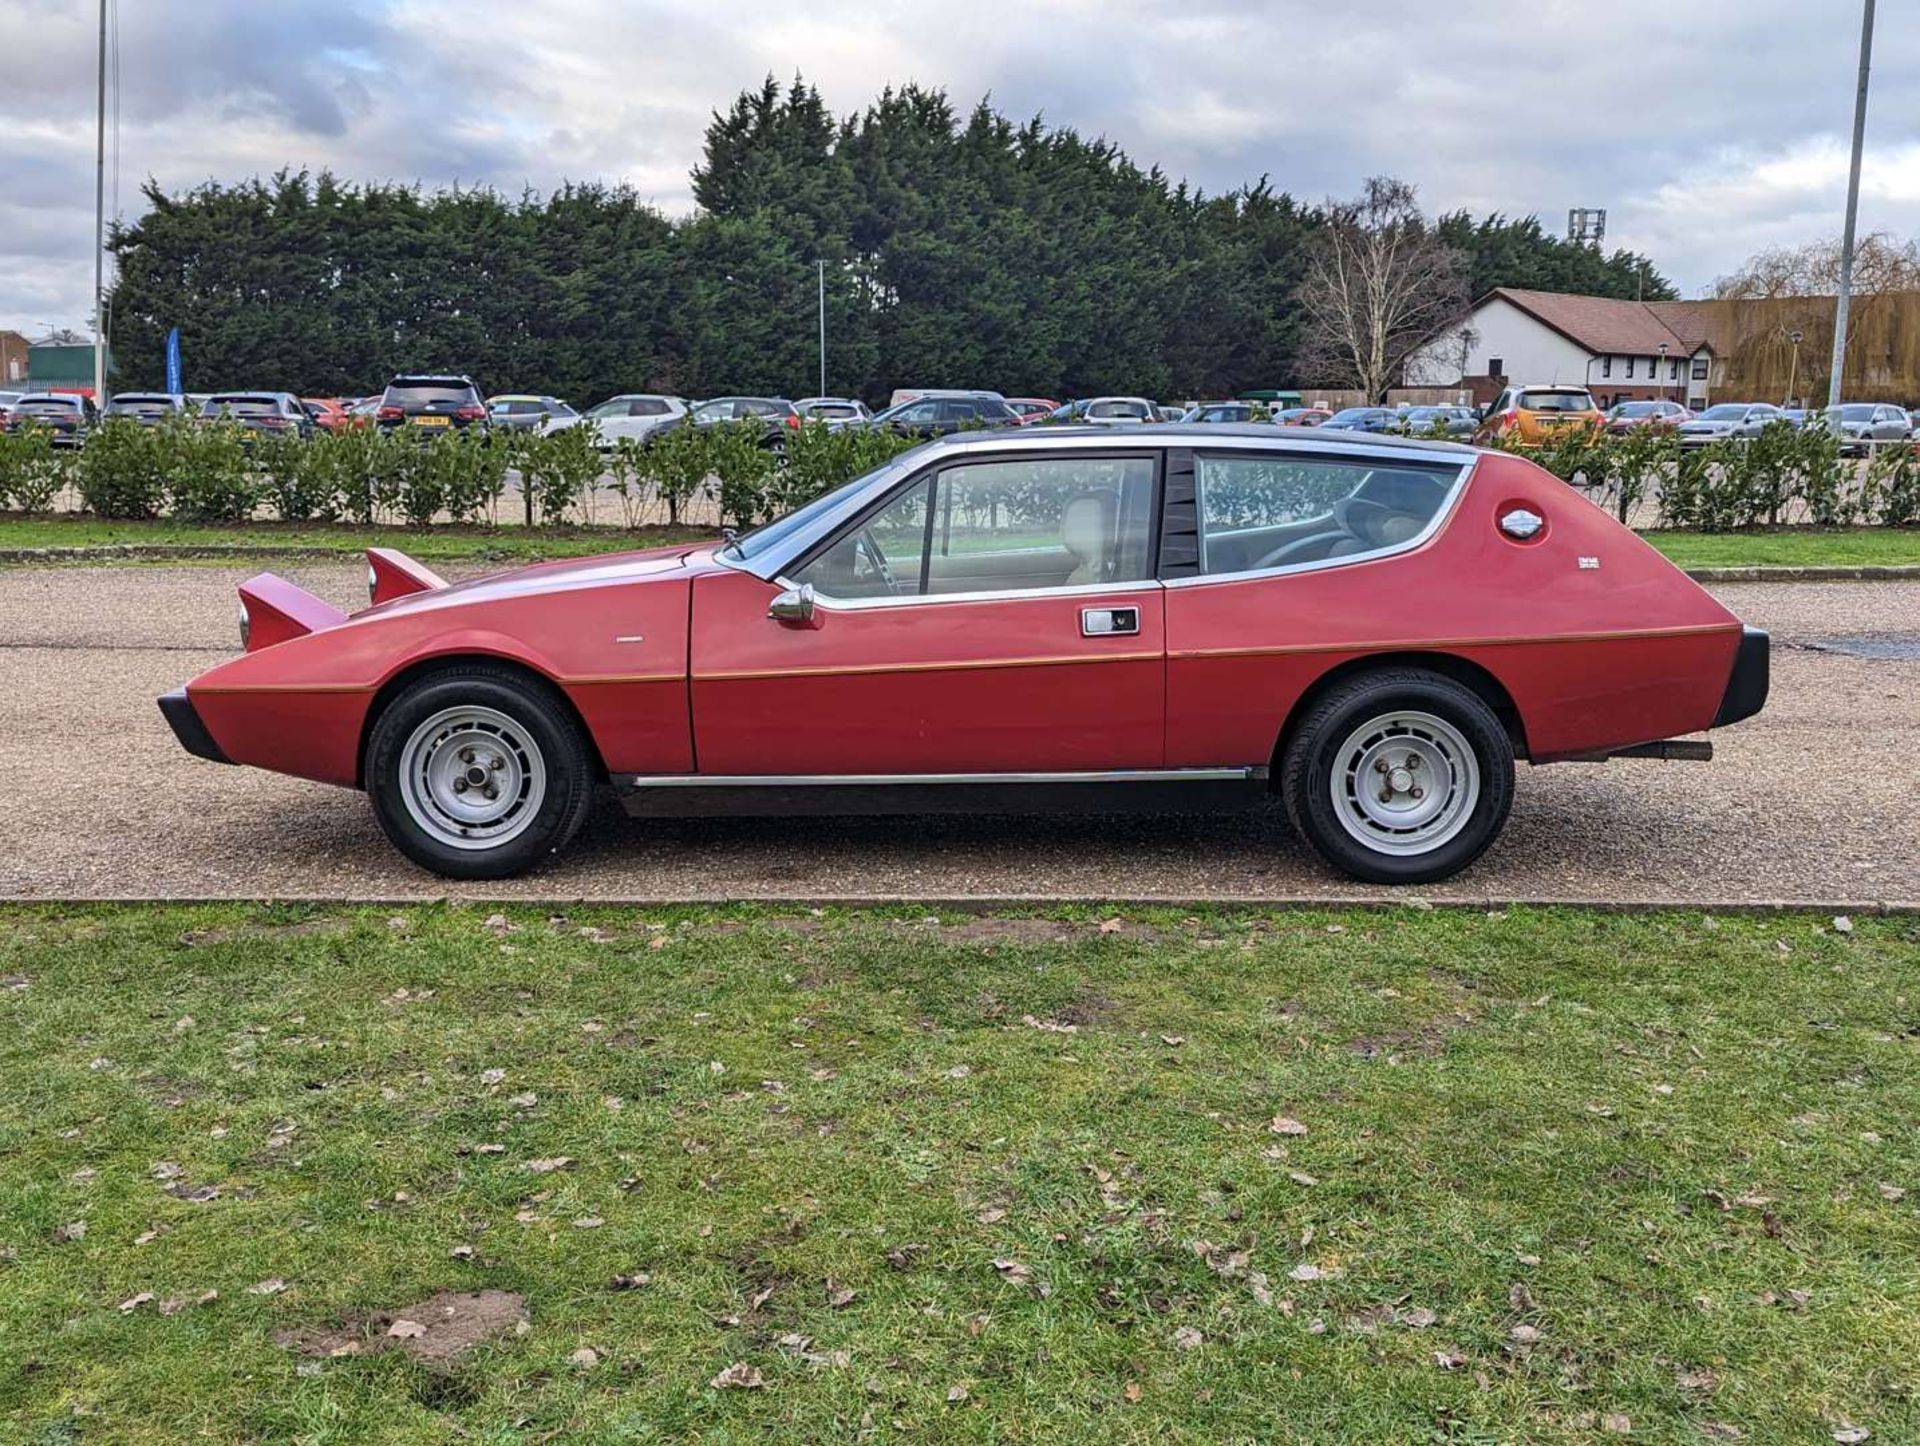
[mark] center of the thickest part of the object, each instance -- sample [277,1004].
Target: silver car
[836,412]
[1117,411]
[1859,425]
[1739,421]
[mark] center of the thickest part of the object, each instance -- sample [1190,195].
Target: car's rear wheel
[478,773]
[1400,776]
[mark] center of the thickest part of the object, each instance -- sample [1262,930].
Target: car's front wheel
[1400,776]
[478,773]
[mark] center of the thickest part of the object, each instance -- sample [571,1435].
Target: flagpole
[100,226]
[1843,302]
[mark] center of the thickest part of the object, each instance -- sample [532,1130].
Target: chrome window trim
[878,780]
[1016,443]
[1440,517]
[862,604]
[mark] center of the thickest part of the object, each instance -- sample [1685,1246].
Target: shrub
[558,470]
[210,474]
[678,463]
[627,468]
[1891,489]
[32,470]
[123,468]
[745,467]
[295,478]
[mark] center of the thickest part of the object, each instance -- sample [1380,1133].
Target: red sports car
[1372,628]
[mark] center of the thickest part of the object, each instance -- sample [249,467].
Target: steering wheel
[1284,553]
[880,562]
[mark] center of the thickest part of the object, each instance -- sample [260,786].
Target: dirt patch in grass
[1422,1041]
[438,1330]
[306,928]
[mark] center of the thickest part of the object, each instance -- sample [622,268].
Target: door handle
[1108,622]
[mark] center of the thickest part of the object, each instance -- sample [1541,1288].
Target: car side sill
[1108,791]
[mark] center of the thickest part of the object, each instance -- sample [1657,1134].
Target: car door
[991,615]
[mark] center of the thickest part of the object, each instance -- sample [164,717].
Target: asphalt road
[1812,800]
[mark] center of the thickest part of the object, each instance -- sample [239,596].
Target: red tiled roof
[1604,325]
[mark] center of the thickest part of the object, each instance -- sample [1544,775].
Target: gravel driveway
[1812,800]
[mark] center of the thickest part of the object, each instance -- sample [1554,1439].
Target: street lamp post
[1853,210]
[820,269]
[1662,378]
[1796,336]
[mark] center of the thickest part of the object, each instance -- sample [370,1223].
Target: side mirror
[795,605]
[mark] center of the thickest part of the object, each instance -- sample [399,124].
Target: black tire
[1313,754]
[543,724]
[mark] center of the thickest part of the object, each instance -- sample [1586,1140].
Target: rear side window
[648,407]
[1261,512]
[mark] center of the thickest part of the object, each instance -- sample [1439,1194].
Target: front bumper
[177,708]
[1747,689]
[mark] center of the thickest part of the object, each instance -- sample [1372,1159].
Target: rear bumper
[177,708]
[1747,689]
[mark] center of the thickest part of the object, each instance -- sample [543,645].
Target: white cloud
[1708,130]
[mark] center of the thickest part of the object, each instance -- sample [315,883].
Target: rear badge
[1589,564]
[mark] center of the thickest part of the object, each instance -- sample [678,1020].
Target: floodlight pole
[100,226]
[1843,302]
[821,271]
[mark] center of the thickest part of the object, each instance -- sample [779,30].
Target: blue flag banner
[173,361]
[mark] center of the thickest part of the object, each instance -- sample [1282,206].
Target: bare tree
[1881,263]
[1378,284]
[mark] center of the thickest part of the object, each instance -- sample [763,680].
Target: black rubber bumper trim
[177,708]
[1747,689]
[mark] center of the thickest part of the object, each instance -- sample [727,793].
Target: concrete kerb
[1230,903]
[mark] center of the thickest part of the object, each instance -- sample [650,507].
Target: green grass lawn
[1792,547]
[1788,547]
[436,544]
[1420,1176]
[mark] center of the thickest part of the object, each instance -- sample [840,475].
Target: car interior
[1324,512]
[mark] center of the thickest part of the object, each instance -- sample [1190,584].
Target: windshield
[832,409]
[752,544]
[1635,409]
[1555,402]
[1725,412]
[423,392]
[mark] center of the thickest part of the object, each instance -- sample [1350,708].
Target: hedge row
[198,472]
[1786,473]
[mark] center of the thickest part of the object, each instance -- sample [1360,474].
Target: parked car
[911,394]
[1363,419]
[265,413]
[331,414]
[636,415]
[7,399]
[1032,409]
[937,414]
[834,411]
[1166,412]
[1623,417]
[67,415]
[1302,416]
[526,411]
[429,404]
[1539,414]
[1862,425]
[1214,413]
[1211,634]
[1108,411]
[1724,420]
[149,409]
[1453,421]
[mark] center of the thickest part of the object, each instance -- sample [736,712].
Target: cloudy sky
[1709,130]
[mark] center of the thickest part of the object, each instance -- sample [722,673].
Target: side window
[885,556]
[1274,511]
[958,409]
[919,413]
[1058,522]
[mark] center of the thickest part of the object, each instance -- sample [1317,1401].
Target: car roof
[73,397]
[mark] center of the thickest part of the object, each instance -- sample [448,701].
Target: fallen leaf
[839,1297]
[1016,1271]
[1301,1177]
[1721,1431]
[1890,1192]
[75,1230]
[1282,1125]
[1526,1335]
[1842,924]
[1132,1392]
[406,1330]
[1173,1041]
[1851,1435]
[547,1167]
[1416,1317]
[586,1358]
[134,1302]
[461,1252]
[492,1076]
[588,1222]
[956,1394]
[991,1216]
[1702,1380]
[960,1071]
[165,1170]
[1187,1338]
[1111,926]
[173,1305]
[524,1101]
[271,1286]
[635,1281]
[1306,1272]
[1449,1360]
[739,1377]
[1616,1424]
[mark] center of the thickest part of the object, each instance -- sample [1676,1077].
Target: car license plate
[430,421]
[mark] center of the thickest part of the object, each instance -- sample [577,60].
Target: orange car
[1539,414]
[329,416]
